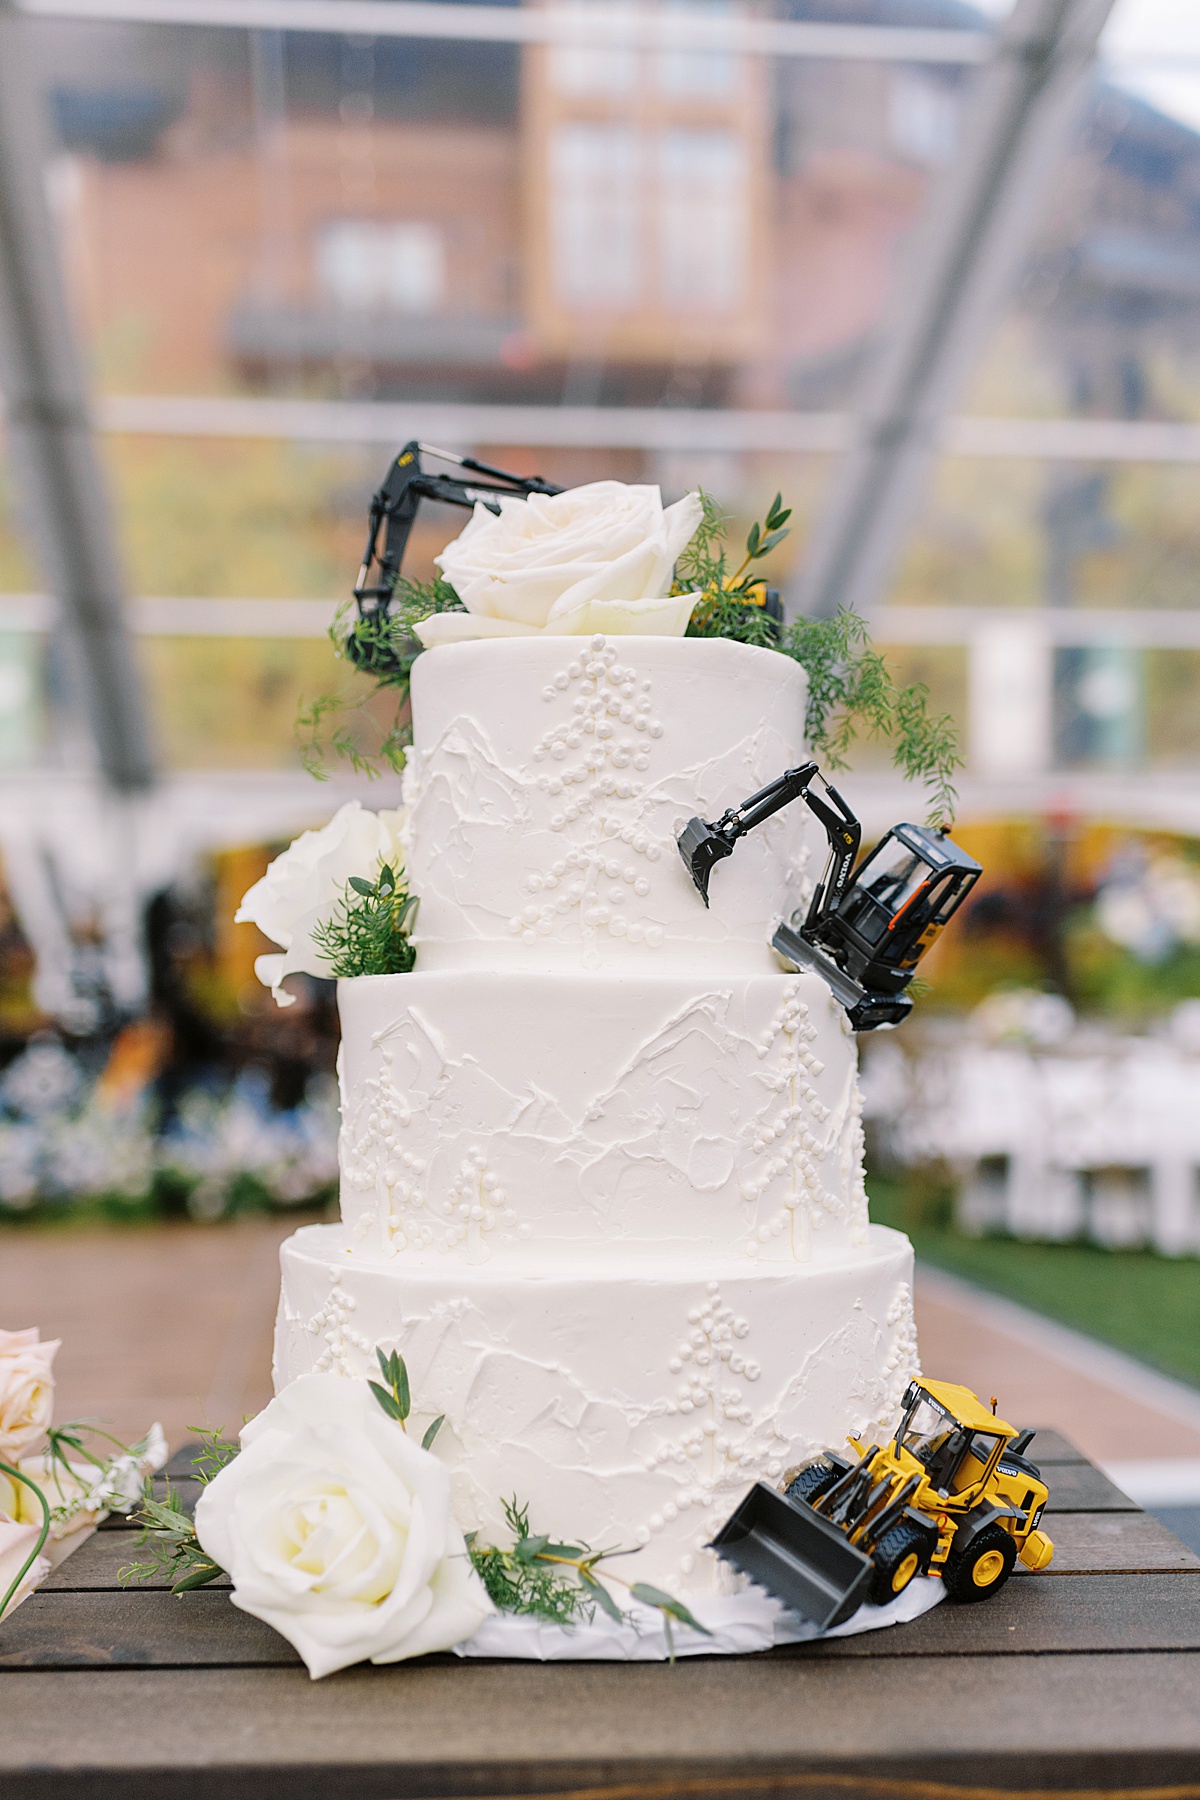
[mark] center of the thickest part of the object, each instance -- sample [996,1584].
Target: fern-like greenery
[367,932]
[384,647]
[561,1582]
[851,692]
[168,1534]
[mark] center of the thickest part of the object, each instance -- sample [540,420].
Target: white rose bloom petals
[302,887]
[595,558]
[26,1390]
[335,1529]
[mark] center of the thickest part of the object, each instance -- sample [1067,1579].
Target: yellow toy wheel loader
[952,1494]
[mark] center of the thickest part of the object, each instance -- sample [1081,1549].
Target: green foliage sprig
[103,1490]
[168,1534]
[560,1582]
[367,933]
[850,688]
[384,648]
[730,605]
[851,691]
[396,1397]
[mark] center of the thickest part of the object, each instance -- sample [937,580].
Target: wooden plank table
[1083,1680]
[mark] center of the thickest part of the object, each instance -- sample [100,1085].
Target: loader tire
[812,1482]
[982,1569]
[901,1555]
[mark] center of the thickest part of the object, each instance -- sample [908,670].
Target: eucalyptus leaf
[652,1596]
[431,1432]
[527,1549]
[367,888]
[601,1595]
[388,1401]
[200,1577]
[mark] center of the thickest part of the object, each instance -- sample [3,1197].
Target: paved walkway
[173,1322]
[167,1322]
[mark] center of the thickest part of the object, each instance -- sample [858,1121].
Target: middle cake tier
[488,1115]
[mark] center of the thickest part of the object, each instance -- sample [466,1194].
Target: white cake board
[739,1623]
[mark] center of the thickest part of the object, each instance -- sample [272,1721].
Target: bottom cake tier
[627,1409]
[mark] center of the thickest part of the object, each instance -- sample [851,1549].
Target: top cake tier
[550,777]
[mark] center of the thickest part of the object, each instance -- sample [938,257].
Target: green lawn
[1146,1304]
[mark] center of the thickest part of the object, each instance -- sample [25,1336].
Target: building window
[366,265]
[595,184]
[704,210]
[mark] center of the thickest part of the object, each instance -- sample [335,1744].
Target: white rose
[596,558]
[26,1390]
[302,887]
[16,1542]
[335,1529]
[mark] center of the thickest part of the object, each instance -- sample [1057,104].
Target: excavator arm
[394,510]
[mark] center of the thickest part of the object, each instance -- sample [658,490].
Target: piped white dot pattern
[723,1442]
[597,754]
[332,1325]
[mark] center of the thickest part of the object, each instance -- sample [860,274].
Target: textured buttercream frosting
[628,1406]
[601,1152]
[549,780]
[505,1116]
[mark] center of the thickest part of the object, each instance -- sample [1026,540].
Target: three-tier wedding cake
[601,1156]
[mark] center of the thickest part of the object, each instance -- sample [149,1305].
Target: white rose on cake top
[595,558]
[335,1528]
[302,886]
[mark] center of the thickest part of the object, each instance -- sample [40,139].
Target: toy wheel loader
[952,1494]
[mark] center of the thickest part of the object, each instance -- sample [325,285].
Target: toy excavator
[952,1494]
[394,510]
[865,929]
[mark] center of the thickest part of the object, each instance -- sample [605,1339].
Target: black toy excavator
[867,928]
[394,509]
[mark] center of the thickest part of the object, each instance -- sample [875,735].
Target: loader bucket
[797,1555]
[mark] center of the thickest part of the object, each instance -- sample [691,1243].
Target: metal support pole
[959,268]
[56,470]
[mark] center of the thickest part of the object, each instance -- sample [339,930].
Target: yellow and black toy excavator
[866,928]
[952,1494]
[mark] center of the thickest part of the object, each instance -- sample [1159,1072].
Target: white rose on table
[335,1529]
[595,558]
[26,1390]
[302,887]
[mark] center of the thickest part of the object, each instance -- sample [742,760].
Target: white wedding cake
[601,1156]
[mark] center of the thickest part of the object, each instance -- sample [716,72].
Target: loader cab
[959,1447]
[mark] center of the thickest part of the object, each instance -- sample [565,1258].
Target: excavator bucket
[702,849]
[795,1554]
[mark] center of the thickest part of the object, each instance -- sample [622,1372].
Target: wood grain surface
[1082,1681]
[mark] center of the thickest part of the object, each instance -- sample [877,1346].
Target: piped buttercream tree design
[722,1442]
